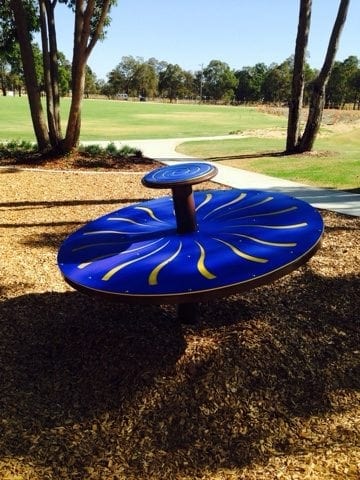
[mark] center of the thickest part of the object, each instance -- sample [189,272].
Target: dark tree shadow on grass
[245,156]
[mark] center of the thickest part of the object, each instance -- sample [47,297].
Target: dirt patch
[266,387]
[333,121]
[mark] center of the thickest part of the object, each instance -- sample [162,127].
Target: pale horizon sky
[191,33]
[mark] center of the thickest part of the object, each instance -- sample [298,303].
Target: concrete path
[328,199]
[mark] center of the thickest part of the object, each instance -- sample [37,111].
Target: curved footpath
[164,150]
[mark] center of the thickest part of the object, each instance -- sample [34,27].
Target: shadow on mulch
[87,383]
[72,355]
[29,205]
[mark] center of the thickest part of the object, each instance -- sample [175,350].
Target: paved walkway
[328,199]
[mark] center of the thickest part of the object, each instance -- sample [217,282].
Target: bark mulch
[267,386]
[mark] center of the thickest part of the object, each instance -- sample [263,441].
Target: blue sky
[194,32]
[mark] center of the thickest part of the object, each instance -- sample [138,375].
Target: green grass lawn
[121,120]
[335,162]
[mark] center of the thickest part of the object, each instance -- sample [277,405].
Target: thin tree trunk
[49,49]
[32,87]
[84,43]
[317,99]
[297,87]
[74,121]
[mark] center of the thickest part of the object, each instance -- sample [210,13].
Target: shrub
[92,150]
[110,150]
[16,148]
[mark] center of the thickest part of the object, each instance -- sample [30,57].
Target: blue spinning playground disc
[245,238]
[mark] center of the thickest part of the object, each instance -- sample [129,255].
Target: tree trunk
[49,50]
[31,83]
[316,108]
[84,42]
[317,99]
[297,87]
[72,136]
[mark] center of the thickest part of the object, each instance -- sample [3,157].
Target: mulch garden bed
[81,161]
[267,386]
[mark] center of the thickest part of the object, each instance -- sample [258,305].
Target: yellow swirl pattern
[153,277]
[201,264]
[235,200]
[131,250]
[149,212]
[241,254]
[265,242]
[204,202]
[128,220]
[270,214]
[114,270]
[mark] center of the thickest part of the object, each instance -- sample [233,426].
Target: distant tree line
[215,82]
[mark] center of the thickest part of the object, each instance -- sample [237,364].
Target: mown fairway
[335,163]
[118,120]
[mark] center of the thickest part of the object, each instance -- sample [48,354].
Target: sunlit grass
[121,120]
[334,163]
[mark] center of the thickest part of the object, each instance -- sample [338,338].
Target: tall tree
[250,83]
[91,16]
[33,91]
[317,99]
[90,19]
[298,82]
[276,86]
[305,142]
[220,81]
[172,81]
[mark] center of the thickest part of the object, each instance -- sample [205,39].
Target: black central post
[184,205]
[180,179]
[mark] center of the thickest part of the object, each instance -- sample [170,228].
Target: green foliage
[110,150]
[127,151]
[342,87]
[172,81]
[220,81]
[16,148]
[92,150]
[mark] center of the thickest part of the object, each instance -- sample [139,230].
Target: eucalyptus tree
[250,83]
[220,81]
[90,19]
[145,80]
[304,142]
[172,82]
[341,88]
[276,85]
[134,76]
[354,83]
[298,80]
[350,68]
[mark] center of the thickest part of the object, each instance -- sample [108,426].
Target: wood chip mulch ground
[267,386]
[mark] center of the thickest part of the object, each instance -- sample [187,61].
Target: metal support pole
[184,209]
